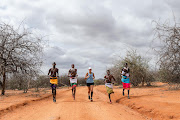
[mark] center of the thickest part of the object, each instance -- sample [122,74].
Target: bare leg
[110,98]
[89,92]
[91,89]
[74,92]
[123,92]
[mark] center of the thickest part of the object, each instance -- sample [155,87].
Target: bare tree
[19,52]
[169,51]
[0,83]
[139,69]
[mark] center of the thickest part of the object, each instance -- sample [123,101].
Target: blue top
[125,79]
[90,79]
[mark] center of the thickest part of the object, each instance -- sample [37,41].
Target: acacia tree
[19,81]
[0,83]
[139,69]
[169,51]
[20,51]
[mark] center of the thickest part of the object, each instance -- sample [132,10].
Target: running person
[73,79]
[53,73]
[125,79]
[90,83]
[108,84]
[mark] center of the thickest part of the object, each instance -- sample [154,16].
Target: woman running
[125,79]
[108,84]
[90,83]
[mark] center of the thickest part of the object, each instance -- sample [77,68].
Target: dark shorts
[53,85]
[89,84]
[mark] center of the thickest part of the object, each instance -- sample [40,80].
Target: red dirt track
[145,104]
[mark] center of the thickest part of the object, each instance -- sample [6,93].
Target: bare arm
[93,76]
[57,72]
[113,78]
[86,76]
[69,73]
[76,72]
[49,71]
[105,80]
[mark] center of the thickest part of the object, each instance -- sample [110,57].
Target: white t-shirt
[127,74]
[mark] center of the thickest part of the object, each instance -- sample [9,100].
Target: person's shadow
[131,97]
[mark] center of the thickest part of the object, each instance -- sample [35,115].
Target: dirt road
[68,109]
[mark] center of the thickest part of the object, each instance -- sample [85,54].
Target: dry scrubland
[157,103]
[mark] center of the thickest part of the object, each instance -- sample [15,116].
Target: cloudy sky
[90,32]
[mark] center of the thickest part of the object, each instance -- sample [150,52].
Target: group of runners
[89,77]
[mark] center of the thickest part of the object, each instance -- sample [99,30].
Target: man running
[53,73]
[90,83]
[73,79]
[108,84]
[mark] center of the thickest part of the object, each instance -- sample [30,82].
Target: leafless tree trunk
[4,81]
[139,69]
[169,51]
[0,83]
[20,52]
[28,84]
[142,81]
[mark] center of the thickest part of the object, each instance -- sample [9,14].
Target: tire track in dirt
[140,104]
[20,105]
[68,109]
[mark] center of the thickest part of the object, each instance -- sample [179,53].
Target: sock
[128,92]
[123,92]
[110,97]
[74,92]
[91,94]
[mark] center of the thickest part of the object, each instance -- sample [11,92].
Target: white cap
[90,68]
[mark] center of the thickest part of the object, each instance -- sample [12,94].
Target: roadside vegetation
[21,51]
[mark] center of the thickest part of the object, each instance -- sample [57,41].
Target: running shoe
[54,100]
[91,100]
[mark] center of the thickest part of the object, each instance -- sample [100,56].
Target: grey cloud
[62,58]
[99,27]
[90,33]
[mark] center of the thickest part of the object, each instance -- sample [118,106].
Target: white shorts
[73,80]
[110,85]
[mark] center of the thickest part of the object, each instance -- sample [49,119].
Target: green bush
[139,69]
